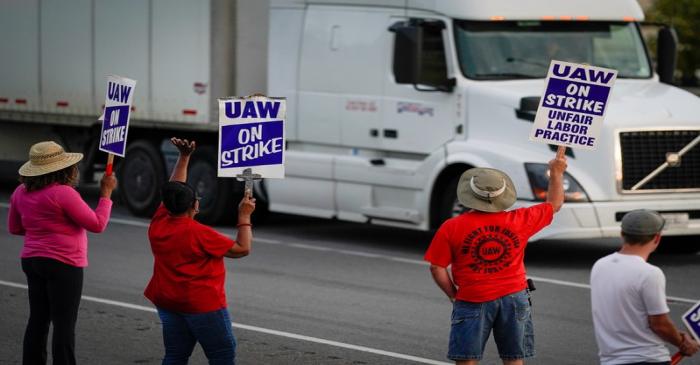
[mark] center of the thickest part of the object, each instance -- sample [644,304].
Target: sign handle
[110,164]
[248,176]
[677,357]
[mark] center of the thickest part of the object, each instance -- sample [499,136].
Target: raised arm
[244,238]
[555,190]
[186,148]
[81,214]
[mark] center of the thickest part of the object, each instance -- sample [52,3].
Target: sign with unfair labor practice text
[691,319]
[251,136]
[573,106]
[115,119]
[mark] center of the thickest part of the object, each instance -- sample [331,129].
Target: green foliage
[684,15]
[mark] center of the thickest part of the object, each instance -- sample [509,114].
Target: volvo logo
[673,159]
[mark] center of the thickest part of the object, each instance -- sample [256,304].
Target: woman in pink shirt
[53,218]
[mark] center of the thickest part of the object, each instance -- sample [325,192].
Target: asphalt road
[320,292]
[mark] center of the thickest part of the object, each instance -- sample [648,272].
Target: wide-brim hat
[486,190]
[48,157]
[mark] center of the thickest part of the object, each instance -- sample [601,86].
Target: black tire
[218,194]
[449,206]
[141,176]
[680,245]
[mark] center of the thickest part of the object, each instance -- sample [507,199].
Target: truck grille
[644,151]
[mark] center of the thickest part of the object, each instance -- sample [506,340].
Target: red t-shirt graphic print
[486,250]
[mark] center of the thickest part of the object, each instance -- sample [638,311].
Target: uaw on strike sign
[572,109]
[115,120]
[691,319]
[251,136]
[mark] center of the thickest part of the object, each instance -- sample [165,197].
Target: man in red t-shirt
[486,247]
[187,286]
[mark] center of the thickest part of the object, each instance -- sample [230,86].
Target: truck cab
[389,102]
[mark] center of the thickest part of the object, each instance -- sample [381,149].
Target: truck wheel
[449,205]
[140,177]
[217,194]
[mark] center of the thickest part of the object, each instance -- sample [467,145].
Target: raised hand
[107,185]
[558,164]
[184,146]
[246,207]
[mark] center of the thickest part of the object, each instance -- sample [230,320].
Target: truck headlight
[538,174]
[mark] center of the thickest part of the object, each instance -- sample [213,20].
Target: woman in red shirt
[187,286]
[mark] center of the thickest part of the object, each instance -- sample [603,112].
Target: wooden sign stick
[677,357]
[110,164]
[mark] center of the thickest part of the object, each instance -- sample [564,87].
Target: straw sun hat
[47,157]
[486,190]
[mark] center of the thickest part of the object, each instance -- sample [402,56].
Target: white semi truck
[389,101]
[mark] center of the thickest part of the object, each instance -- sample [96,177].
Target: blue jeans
[510,318]
[212,330]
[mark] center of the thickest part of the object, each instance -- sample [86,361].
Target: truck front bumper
[602,219]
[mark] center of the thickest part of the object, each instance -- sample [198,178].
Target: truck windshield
[499,50]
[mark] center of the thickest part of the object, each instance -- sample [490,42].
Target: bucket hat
[48,157]
[486,190]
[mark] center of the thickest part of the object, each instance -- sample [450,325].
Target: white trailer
[388,100]
[184,54]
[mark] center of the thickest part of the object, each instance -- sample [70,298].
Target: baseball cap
[177,196]
[642,222]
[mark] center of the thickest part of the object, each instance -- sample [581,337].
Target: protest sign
[251,137]
[115,119]
[691,319]
[573,107]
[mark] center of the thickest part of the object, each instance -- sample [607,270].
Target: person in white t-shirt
[628,299]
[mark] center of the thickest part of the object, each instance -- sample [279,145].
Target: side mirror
[419,55]
[667,46]
[407,50]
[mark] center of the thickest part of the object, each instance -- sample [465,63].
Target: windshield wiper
[508,75]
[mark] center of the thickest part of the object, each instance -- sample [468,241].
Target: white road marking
[129,222]
[268,331]
[670,299]
[310,247]
[143,223]
[559,282]
[344,345]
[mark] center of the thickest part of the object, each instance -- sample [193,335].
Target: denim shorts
[509,316]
